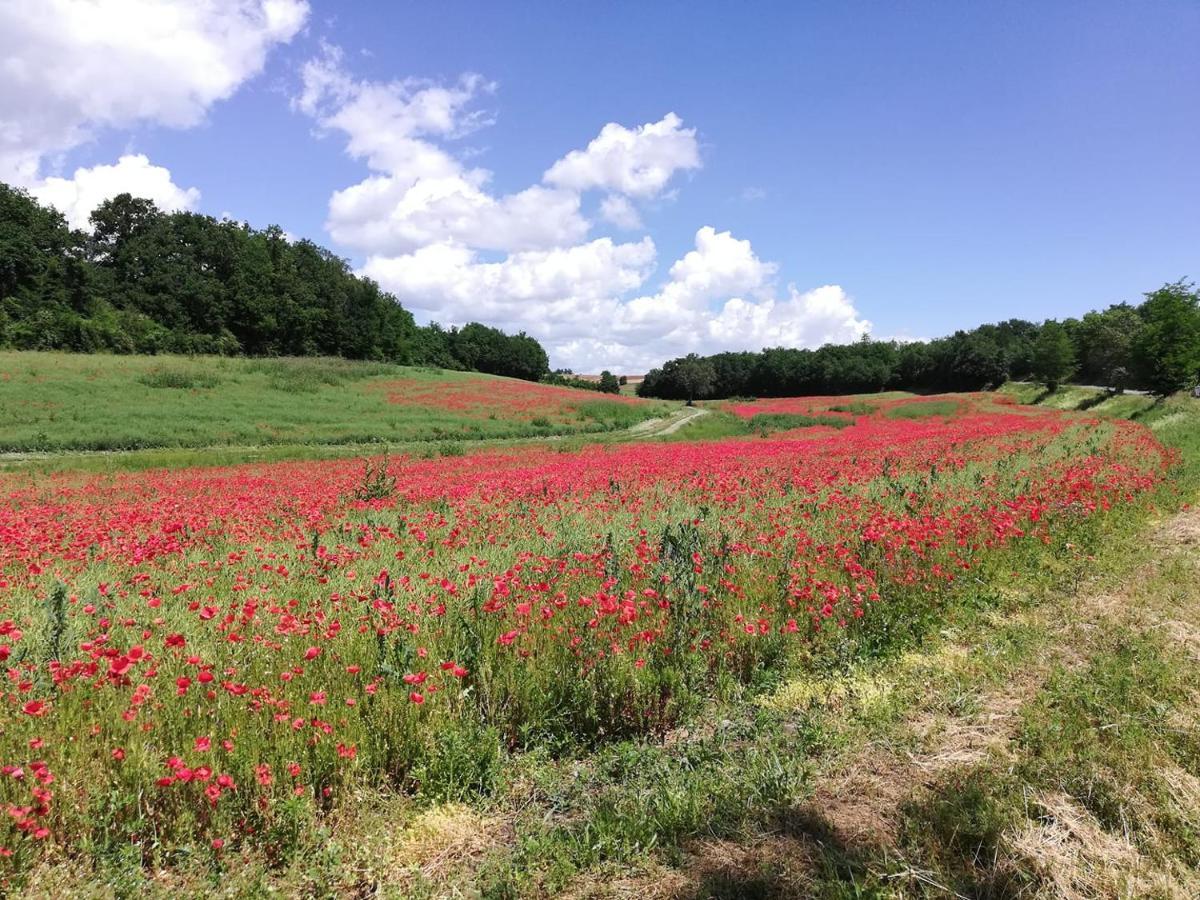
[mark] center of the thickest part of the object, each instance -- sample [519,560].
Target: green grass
[922,409]
[55,402]
[715,425]
[766,423]
[855,407]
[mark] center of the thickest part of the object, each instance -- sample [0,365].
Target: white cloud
[808,319]
[77,196]
[68,67]
[719,296]
[422,194]
[386,123]
[620,212]
[425,221]
[390,214]
[638,161]
[558,295]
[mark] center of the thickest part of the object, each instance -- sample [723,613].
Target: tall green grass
[57,402]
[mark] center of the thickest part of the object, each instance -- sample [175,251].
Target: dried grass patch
[1078,860]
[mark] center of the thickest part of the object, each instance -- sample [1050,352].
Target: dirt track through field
[663,427]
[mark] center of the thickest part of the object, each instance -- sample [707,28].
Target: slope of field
[545,662]
[63,402]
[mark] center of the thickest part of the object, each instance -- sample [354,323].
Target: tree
[147,281]
[1106,342]
[1166,352]
[1053,355]
[696,377]
[609,383]
[973,362]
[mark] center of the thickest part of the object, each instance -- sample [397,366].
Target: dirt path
[664,427]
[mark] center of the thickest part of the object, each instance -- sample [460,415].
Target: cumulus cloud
[77,196]
[577,300]
[391,214]
[558,294]
[422,194]
[430,230]
[617,210]
[69,67]
[634,161]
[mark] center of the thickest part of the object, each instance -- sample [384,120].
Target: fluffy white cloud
[429,228]
[386,123]
[618,211]
[634,161]
[719,296]
[422,194]
[68,67]
[390,214]
[558,295]
[77,196]
[808,319]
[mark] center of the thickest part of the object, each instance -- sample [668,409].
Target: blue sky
[919,167]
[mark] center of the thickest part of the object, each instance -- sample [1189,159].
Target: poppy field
[204,661]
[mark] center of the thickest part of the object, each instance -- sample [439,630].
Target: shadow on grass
[949,844]
[1095,400]
[806,856]
[1145,411]
[1042,397]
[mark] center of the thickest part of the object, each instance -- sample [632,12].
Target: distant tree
[1106,342]
[696,377]
[916,367]
[1166,352]
[146,281]
[622,381]
[609,383]
[972,362]
[490,350]
[1016,338]
[1053,355]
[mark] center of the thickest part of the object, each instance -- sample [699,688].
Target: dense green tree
[689,378]
[1105,341]
[1166,352]
[1053,355]
[488,349]
[975,362]
[145,281]
[1102,346]
[609,383]
[697,377]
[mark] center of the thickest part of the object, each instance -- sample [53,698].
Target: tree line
[145,281]
[608,383]
[1153,346]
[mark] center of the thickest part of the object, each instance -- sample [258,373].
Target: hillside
[65,402]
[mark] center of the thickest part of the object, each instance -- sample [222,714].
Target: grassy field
[476,635]
[54,402]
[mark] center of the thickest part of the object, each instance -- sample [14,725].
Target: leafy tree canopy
[145,281]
